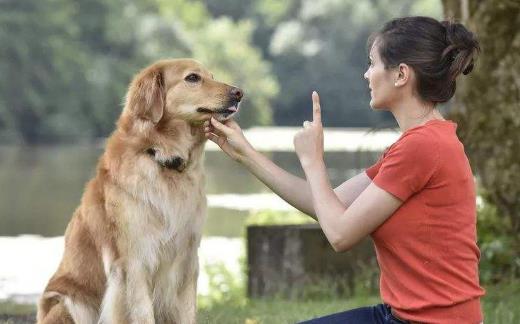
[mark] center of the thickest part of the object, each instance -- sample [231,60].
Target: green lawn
[500,307]
[277,311]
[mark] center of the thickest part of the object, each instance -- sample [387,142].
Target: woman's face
[380,81]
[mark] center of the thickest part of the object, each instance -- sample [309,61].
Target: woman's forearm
[328,208]
[289,187]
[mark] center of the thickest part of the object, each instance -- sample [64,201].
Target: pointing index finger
[316,109]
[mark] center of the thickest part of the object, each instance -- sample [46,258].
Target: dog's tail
[52,310]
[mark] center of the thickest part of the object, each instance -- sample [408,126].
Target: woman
[417,202]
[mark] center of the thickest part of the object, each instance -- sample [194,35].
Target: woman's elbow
[340,245]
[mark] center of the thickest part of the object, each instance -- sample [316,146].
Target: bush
[499,260]
[270,217]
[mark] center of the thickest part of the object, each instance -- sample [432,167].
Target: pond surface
[41,186]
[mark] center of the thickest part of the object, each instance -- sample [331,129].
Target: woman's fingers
[212,129]
[212,137]
[226,129]
[231,123]
[221,127]
[215,138]
[316,108]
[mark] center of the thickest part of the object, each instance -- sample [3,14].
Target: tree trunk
[487,103]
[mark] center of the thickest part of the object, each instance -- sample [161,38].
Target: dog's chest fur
[164,221]
[160,223]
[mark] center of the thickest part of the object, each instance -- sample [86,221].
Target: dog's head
[180,89]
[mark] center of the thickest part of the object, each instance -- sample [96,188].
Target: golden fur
[131,246]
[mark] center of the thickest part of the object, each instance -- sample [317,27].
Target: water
[41,186]
[28,261]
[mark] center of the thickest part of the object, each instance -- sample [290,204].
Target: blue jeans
[378,314]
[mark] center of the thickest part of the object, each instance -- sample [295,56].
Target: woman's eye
[192,77]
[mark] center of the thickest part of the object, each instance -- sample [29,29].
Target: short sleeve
[408,165]
[374,169]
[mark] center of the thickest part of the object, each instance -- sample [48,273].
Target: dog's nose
[237,94]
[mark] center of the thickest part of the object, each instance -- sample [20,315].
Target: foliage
[320,45]
[241,65]
[69,62]
[488,111]
[270,217]
[224,287]
[499,260]
[500,302]
[225,47]
[39,42]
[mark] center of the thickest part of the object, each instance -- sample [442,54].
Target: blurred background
[66,65]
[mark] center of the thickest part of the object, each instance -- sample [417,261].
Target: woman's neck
[413,112]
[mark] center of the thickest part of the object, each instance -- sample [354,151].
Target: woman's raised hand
[229,137]
[308,142]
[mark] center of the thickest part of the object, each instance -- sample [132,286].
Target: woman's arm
[343,226]
[294,190]
[350,190]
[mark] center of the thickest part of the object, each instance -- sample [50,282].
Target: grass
[11,308]
[277,310]
[501,302]
[500,307]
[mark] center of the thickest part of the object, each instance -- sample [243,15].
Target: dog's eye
[192,77]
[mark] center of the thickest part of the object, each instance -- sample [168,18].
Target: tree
[225,47]
[41,65]
[69,62]
[487,104]
[320,45]
[68,65]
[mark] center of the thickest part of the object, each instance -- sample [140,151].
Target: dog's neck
[174,144]
[190,144]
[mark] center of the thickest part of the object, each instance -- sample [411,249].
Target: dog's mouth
[221,113]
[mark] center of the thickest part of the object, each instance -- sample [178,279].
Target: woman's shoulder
[432,133]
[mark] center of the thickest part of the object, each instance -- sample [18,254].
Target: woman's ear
[146,96]
[403,75]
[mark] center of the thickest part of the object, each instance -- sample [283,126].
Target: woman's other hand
[308,142]
[229,137]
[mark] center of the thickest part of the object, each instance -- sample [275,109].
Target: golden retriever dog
[131,246]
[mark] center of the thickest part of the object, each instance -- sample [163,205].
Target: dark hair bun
[437,51]
[461,50]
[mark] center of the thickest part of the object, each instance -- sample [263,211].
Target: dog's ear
[147,96]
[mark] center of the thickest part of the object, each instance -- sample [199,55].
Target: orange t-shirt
[427,249]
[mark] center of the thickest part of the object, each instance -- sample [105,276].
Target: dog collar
[172,163]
